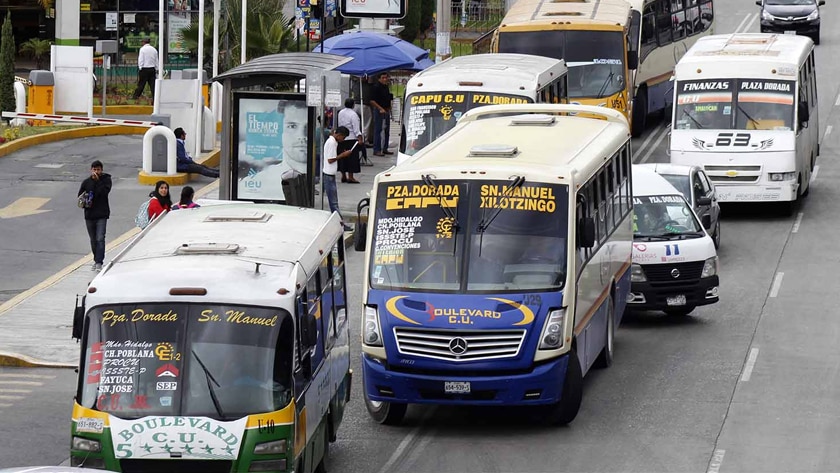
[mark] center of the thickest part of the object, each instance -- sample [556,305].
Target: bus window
[663,23]
[707,15]
[648,31]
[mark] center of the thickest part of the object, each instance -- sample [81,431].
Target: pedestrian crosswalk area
[15,387]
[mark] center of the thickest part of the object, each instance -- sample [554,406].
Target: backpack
[142,218]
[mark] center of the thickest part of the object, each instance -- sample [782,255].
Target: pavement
[36,324]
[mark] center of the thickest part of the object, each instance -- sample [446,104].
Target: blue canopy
[374,52]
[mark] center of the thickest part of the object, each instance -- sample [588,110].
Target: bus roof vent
[563,13]
[205,248]
[239,216]
[533,120]
[494,151]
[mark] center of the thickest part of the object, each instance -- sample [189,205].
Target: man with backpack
[93,197]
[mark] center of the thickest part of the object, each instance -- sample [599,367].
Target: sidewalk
[36,324]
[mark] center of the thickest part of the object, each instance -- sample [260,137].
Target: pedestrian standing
[97,210]
[331,158]
[147,62]
[380,101]
[348,118]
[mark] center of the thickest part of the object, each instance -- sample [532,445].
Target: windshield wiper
[605,84]
[210,382]
[740,109]
[689,115]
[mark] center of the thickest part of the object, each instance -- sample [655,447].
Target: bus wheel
[640,112]
[566,410]
[807,190]
[605,358]
[387,413]
[680,312]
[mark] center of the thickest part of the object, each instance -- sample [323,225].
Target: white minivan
[674,259]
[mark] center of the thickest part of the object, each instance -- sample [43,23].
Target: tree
[411,21]
[36,49]
[7,65]
[427,12]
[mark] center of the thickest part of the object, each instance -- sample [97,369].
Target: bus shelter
[269,141]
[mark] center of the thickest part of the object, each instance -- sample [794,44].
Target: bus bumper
[543,384]
[664,295]
[776,192]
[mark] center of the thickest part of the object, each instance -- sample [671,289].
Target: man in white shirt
[331,157]
[147,62]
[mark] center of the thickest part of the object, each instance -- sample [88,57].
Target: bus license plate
[675,300]
[456,387]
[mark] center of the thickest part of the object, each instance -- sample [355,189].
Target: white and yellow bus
[437,97]
[216,341]
[746,110]
[620,53]
[498,262]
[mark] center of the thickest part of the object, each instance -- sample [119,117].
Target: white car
[697,189]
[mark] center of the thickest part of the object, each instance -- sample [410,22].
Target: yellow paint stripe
[95,130]
[285,416]
[80,411]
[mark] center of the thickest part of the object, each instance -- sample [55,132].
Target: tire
[640,113]
[565,411]
[385,413]
[680,312]
[605,358]
[359,231]
[716,234]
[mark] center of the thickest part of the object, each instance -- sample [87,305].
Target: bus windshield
[429,115]
[664,216]
[759,105]
[469,236]
[217,361]
[595,58]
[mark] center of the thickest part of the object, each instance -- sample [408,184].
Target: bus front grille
[459,345]
[176,466]
[725,168]
[727,179]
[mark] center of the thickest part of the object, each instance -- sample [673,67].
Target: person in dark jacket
[185,162]
[97,210]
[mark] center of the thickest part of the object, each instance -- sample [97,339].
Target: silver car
[697,189]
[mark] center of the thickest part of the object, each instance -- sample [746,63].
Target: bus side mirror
[78,318]
[587,232]
[804,115]
[632,60]
[309,330]
[706,220]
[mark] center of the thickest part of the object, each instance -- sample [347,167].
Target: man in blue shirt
[185,161]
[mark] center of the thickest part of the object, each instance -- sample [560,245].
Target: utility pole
[442,29]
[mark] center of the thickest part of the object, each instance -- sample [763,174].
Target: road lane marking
[750,23]
[748,368]
[15,391]
[741,25]
[655,145]
[814,173]
[22,383]
[837,101]
[24,207]
[11,398]
[777,284]
[797,223]
[647,141]
[22,375]
[717,461]
[5,405]
[828,128]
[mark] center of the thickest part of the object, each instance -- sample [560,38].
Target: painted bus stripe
[748,368]
[717,461]
[777,284]
[797,223]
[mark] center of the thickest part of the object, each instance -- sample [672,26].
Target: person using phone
[96,187]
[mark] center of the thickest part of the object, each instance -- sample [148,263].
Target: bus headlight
[552,333]
[371,335]
[710,267]
[637,274]
[782,176]
[86,445]
[276,447]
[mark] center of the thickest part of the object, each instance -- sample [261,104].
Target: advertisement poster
[373,8]
[272,145]
[177,22]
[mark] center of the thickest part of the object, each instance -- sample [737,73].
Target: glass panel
[704,105]
[765,105]
[664,215]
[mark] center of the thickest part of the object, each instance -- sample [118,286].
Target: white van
[674,259]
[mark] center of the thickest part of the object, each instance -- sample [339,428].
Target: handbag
[85,200]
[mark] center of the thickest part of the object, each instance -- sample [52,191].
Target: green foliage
[411,21]
[37,49]
[7,66]
[427,11]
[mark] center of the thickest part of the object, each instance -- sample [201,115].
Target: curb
[180,178]
[61,135]
[22,361]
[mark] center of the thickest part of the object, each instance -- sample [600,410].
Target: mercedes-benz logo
[458,346]
[675,273]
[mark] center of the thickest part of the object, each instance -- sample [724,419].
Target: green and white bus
[217,341]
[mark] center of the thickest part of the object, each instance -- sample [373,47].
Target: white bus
[498,262]
[437,97]
[746,110]
[217,341]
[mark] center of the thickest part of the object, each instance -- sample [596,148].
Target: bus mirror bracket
[632,60]
[587,232]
